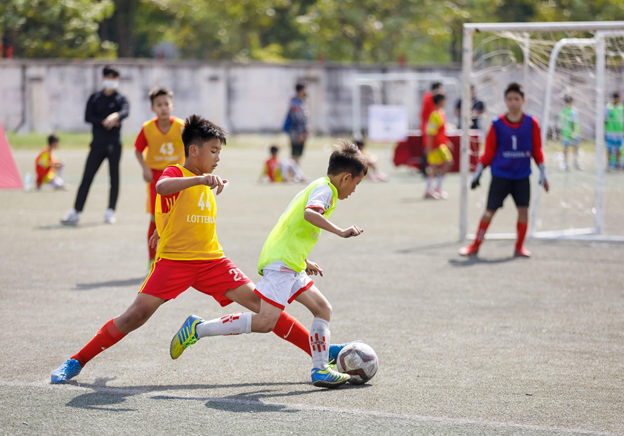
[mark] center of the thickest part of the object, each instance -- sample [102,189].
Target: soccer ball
[359,361]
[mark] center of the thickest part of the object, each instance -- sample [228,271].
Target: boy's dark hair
[52,139]
[359,143]
[567,98]
[438,98]
[109,70]
[274,149]
[157,92]
[299,87]
[514,87]
[198,130]
[436,85]
[347,158]
[615,95]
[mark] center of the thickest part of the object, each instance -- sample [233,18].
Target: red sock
[150,232]
[522,229]
[108,336]
[483,225]
[291,330]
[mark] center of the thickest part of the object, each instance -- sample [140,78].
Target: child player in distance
[49,169]
[189,253]
[513,139]
[439,157]
[158,145]
[285,267]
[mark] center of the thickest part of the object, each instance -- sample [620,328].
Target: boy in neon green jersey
[570,132]
[614,129]
[285,267]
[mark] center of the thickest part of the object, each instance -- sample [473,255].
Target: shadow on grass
[427,247]
[64,226]
[106,397]
[475,260]
[109,284]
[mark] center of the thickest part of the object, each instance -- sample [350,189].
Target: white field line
[150,393]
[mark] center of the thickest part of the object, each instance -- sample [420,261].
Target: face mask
[110,84]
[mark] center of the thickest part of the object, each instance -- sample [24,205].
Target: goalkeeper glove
[477,176]
[543,180]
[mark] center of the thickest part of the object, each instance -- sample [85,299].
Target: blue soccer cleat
[335,349]
[328,378]
[185,337]
[68,370]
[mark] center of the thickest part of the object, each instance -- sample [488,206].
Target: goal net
[555,62]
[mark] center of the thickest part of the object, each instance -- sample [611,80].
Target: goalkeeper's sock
[483,226]
[522,229]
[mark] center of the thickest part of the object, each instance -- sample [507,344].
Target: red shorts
[169,278]
[151,191]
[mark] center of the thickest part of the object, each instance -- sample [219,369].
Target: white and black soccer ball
[359,361]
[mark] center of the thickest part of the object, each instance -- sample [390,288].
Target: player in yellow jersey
[188,254]
[158,145]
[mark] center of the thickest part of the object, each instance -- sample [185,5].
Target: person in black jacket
[105,110]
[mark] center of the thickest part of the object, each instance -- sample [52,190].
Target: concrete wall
[46,96]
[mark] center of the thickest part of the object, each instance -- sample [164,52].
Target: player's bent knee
[263,324]
[324,311]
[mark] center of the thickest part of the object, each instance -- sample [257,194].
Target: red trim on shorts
[271,302]
[305,288]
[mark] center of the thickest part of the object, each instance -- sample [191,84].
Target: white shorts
[280,288]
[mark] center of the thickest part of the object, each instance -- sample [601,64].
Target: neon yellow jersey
[614,122]
[293,238]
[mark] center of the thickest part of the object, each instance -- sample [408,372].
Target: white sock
[428,188]
[234,324]
[319,343]
[439,180]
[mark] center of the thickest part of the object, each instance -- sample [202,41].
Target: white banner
[387,123]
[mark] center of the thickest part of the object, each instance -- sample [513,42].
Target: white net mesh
[498,59]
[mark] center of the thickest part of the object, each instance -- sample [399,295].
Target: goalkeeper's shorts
[500,188]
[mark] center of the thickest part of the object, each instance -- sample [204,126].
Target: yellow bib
[186,223]
[163,149]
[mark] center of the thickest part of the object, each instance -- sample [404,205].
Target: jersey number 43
[167,148]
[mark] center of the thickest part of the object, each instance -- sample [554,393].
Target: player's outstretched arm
[315,218]
[171,185]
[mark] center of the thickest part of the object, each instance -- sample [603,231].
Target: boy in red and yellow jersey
[439,156]
[49,169]
[188,254]
[160,140]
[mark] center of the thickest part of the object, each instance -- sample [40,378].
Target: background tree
[55,28]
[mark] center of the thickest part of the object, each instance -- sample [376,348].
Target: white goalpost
[584,60]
